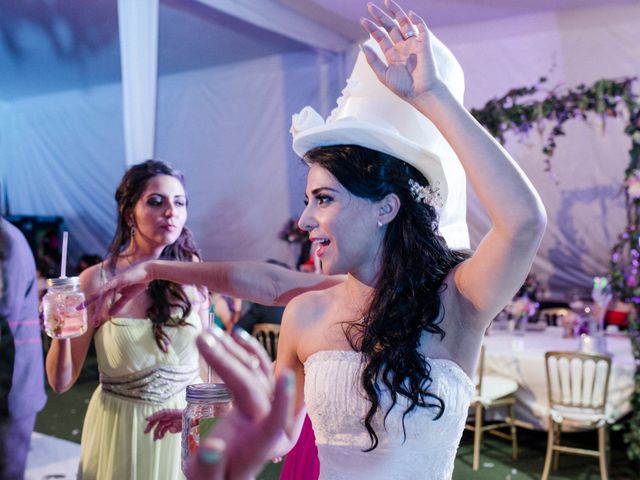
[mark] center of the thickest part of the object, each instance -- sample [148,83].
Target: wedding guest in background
[147,353]
[531,288]
[87,260]
[306,260]
[48,254]
[22,393]
[226,310]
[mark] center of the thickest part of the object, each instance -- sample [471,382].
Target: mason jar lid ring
[63,282]
[208,391]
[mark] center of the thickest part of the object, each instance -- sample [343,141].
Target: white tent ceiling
[232,75]
[53,45]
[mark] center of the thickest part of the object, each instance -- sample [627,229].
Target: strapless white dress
[337,405]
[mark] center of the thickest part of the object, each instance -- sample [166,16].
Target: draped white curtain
[4,165]
[582,193]
[138,27]
[226,128]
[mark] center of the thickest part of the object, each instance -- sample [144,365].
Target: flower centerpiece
[520,310]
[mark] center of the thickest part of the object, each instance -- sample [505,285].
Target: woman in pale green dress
[146,354]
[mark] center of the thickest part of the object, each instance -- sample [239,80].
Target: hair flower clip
[427,194]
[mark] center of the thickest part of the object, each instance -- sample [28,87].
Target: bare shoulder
[91,278]
[303,311]
[300,322]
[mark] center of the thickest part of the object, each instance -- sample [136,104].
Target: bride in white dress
[386,357]
[383,357]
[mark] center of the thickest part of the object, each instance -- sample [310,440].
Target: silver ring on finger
[409,34]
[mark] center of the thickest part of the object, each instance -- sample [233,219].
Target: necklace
[128,260]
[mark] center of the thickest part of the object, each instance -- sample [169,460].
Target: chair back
[578,380]
[553,316]
[267,334]
[479,371]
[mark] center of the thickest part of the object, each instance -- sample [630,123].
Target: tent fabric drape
[62,155]
[226,128]
[583,191]
[138,30]
[275,17]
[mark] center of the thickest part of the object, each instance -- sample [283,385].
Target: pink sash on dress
[302,463]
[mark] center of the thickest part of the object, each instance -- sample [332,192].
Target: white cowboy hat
[370,115]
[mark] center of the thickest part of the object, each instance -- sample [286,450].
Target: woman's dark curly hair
[165,296]
[406,300]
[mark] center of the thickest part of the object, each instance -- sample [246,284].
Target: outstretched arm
[254,281]
[490,278]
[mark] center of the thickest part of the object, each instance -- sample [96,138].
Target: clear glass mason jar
[206,403]
[64,315]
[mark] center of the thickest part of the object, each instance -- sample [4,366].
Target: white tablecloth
[522,359]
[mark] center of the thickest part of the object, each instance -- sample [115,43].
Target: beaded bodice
[336,405]
[133,367]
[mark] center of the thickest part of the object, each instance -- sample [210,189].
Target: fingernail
[290,382]
[211,451]
[209,457]
[81,306]
[217,332]
[290,386]
[209,339]
[241,332]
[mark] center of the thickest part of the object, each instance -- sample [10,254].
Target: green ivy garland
[519,112]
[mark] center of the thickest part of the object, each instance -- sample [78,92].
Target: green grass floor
[63,415]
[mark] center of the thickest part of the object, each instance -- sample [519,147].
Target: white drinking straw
[63,264]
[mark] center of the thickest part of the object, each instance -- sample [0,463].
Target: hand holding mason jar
[64,313]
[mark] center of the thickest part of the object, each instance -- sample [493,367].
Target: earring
[132,229]
[379,223]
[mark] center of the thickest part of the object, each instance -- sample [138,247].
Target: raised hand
[243,440]
[406,43]
[128,285]
[164,421]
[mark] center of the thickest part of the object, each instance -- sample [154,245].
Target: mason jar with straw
[63,313]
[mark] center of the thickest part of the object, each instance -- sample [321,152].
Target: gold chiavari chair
[577,385]
[267,334]
[492,391]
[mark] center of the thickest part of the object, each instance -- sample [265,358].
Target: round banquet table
[521,358]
